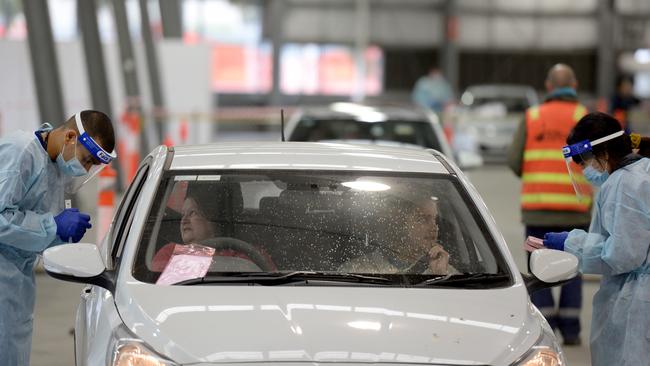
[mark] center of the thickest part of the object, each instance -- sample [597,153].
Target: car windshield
[417,133]
[509,103]
[310,227]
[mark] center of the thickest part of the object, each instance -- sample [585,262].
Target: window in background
[328,69]
[241,61]
[107,26]
[240,68]
[63,18]
[12,21]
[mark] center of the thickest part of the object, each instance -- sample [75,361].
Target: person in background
[548,200]
[35,167]
[432,91]
[623,100]
[617,244]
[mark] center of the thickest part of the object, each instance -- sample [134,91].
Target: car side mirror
[80,263]
[550,268]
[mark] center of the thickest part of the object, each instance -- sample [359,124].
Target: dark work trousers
[567,319]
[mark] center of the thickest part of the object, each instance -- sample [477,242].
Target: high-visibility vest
[621,116]
[547,184]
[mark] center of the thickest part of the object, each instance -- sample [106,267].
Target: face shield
[580,155]
[99,158]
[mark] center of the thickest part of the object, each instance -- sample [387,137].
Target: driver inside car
[408,242]
[196,228]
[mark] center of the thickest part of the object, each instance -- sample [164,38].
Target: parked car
[315,253]
[488,118]
[405,126]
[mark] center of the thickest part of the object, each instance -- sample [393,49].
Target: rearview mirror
[77,263]
[550,268]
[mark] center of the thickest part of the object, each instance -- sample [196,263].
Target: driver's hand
[438,260]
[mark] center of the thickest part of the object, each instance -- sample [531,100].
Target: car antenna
[282,123]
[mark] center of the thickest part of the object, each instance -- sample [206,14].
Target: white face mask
[70,167]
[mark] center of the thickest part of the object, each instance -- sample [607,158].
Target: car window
[510,103]
[409,132]
[123,216]
[333,222]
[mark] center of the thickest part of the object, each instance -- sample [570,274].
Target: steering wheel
[227,243]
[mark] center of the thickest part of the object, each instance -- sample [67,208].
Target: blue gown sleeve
[20,228]
[626,247]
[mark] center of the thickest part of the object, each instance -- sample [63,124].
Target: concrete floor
[56,301]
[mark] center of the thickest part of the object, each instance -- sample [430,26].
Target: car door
[91,296]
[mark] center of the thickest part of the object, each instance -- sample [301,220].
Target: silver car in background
[488,116]
[386,125]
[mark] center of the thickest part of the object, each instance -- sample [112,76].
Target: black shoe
[572,341]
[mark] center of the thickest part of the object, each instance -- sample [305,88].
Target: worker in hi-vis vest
[548,199]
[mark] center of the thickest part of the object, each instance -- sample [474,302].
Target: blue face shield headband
[91,145]
[585,147]
[73,185]
[582,152]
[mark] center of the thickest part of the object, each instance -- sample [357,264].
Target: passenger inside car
[198,224]
[409,245]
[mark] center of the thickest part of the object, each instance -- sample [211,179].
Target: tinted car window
[334,222]
[512,104]
[409,132]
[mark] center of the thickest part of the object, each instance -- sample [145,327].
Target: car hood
[226,324]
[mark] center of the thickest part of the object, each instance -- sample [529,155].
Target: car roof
[500,89]
[306,156]
[345,110]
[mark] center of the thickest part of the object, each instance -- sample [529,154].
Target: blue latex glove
[71,225]
[555,240]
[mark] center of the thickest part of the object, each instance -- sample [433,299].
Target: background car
[308,252]
[488,116]
[406,126]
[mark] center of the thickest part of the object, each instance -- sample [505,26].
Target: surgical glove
[555,240]
[71,225]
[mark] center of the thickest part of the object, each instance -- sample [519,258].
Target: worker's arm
[516,149]
[626,247]
[23,229]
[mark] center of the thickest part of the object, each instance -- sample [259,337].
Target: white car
[305,254]
[389,125]
[488,118]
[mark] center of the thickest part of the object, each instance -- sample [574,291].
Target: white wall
[413,27]
[508,32]
[483,24]
[18,107]
[18,101]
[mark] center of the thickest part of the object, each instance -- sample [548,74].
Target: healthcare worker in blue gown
[35,168]
[618,242]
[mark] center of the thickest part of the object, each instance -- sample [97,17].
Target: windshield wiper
[271,279]
[465,280]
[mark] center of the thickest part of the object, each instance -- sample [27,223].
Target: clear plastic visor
[74,184]
[580,155]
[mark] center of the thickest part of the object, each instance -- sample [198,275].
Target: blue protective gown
[31,192]
[616,247]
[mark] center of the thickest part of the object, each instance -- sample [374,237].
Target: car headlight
[128,350]
[546,352]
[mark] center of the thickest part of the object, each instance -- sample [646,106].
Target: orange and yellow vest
[547,184]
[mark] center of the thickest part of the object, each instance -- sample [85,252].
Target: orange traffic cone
[105,201]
